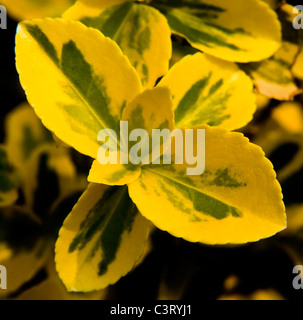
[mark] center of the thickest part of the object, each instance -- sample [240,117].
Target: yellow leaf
[23,265]
[236,200]
[77,80]
[273,77]
[281,138]
[207,90]
[113,174]
[53,289]
[24,133]
[233,30]
[101,240]
[152,111]
[141,32]
[140,113]
[51,169]
[22,249]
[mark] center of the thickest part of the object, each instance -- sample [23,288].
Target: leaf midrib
[182,183]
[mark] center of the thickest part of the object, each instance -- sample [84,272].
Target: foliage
[187,64]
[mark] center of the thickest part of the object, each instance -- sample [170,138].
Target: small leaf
[152,110]
[101,240]
[24,134]
[22,249]
[113,174]
[207,90]
[236,200]
[50,176]
[82,80]
[273,77]
[140,113]
[281,138]
[226,29]
[53,289]
[29,9]
[141,32]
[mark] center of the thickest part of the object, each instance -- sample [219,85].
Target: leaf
[225,29]
[273,77]
[281,138]
[29,9]
[101,240]
[82,80]
[294,220]
[24,134]
[50,176]
[113,174]
[140,31]
[23,251]
[22,266]
[180,51]
[140,113]
[152,110]
[207,90]
[236,200]
[8,181]
[52,289]
[290,117]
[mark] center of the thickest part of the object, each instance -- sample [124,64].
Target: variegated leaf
[141,32]
[101,240]
[50,177]
[140,113]
[273,77]
[236,200]
[23,251]
[81,82]
[152,111]
[30,9]
[225,29]
[207,90]
[113,174]
[281,138]
[180,51]
[24,134]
